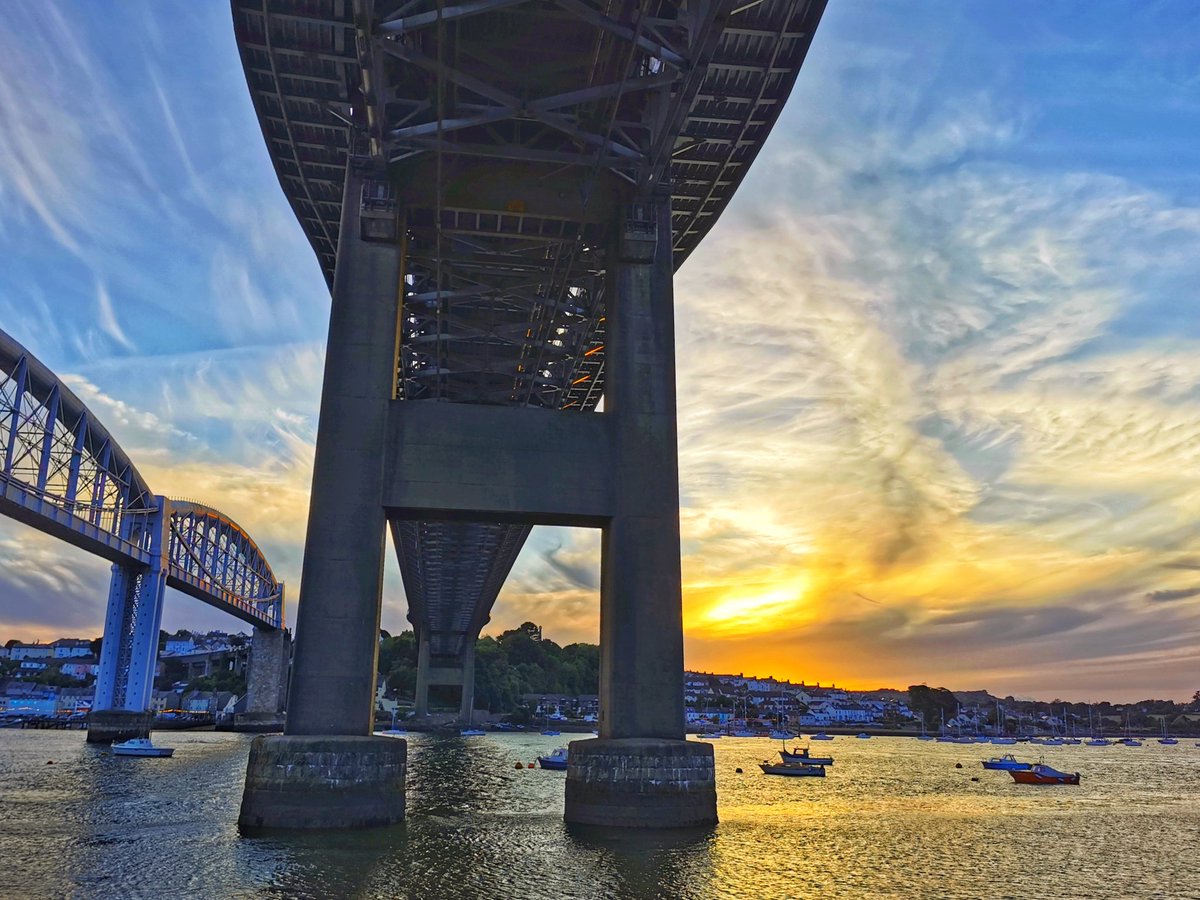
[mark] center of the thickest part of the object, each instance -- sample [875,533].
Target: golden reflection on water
[893,818]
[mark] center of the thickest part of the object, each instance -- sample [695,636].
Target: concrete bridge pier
[129,655]
[641,772]
[266,681]
[459,671]
[327,770]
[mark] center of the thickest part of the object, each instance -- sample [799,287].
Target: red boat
[1040,773]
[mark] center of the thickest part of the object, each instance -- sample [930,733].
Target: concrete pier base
[302,782]
[641,783]
[107,725]
[259,722]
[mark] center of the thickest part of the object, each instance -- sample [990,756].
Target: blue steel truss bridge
[62,473]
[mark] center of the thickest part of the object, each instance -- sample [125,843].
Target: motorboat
[1130,742]
[709,735]
[794,769]
[140,747]
[802,755]
[391,732]
[777,735]
[1097,742]
[550,732]
[1040,773]
[556,760]
[744,733]
[822,736]
[1007,762]
[472,732]
[863,735]
[1004,741]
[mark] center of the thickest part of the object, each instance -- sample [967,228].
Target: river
[894,818]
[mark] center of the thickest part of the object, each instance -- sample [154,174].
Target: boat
[1004,741]
[556,760]
[777,735]
[863,735]
[472,732]
[1166,738]
[550,732]
[391,732]
[1040,773]
[801,755]
[744,733]
[1097,742]
[822,736]
[1007,762]
[709,735]
[140,747]
[1130,742]
[812,771]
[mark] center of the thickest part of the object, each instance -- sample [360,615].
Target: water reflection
[893,818]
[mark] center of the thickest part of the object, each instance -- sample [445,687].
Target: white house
[30,651]
[70,648]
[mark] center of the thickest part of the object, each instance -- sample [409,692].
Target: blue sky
[941,415]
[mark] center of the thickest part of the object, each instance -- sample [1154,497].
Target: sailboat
[1166,738]
[923,736]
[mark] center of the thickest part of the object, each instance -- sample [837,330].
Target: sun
[750,612]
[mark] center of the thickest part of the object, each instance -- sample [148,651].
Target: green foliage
[932,703]
[517,662]
[219,681]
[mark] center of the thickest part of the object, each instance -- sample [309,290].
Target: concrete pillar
[266,681]
[332,701]
[129,654]
[466,709]
[337,618]
[641,772]
[421,697]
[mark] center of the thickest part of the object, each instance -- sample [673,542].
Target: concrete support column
[421,698]
[266,681]
[327,771]
[641,605]
[640,772]
[337,619]
[466,709]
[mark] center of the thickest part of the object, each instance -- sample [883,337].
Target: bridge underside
[506,135]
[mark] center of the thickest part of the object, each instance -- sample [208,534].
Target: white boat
[551,732]
[777,735]
[556,761]
[472,732]
[140,747]
[1004,741]
[863,735]
[391,732]
[1097,742]
[822,736]
[744,733]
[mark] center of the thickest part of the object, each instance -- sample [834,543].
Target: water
[894,818]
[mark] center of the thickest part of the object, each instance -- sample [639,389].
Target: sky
[939,361]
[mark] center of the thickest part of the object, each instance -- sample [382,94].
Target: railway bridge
[62,473]
[499,193]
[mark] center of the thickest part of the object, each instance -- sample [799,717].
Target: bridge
[62,473]
[499,192]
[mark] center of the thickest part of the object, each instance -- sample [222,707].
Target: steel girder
[504,133]
[62,472]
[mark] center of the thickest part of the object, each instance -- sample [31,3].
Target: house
[71,648]
[30,651]
[179,646]
[74,701]
[31,666]
[80,668]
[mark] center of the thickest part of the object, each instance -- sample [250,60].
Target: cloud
[1168,596]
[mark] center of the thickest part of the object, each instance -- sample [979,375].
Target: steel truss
[62,472]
